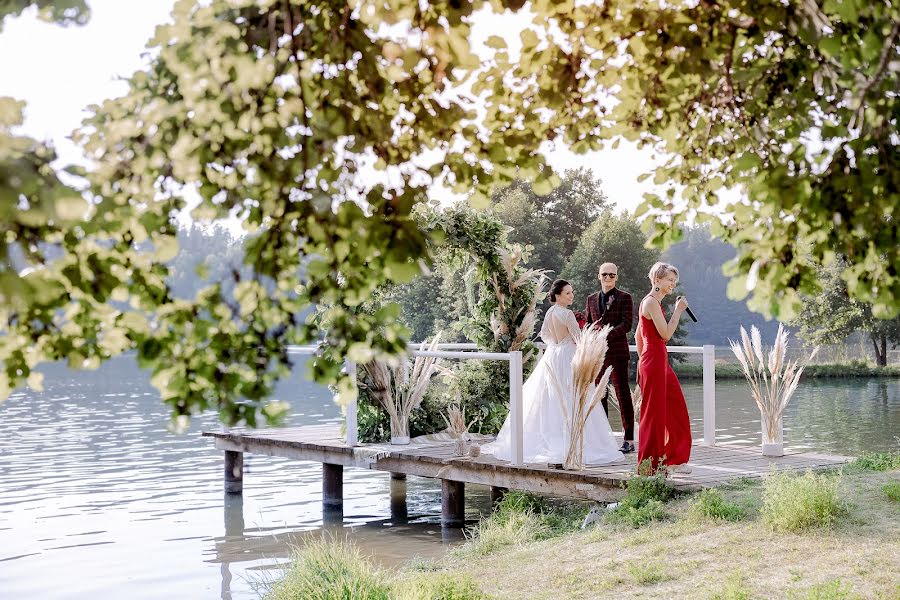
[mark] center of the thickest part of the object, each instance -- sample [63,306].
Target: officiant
[611,306]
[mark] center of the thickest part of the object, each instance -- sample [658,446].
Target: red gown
[664,434]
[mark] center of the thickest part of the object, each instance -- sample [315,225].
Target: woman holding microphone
[664,433]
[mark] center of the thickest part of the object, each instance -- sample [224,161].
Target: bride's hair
[556,288]
[660,270]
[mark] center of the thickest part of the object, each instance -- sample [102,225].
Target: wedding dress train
[545,434]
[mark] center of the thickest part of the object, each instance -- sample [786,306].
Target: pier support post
[453,505]
[399,511]
[497,494]
[234,472]
[332,489]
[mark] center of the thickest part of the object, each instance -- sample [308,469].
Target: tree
[831,316]
[700,259]
[612,238]
[553,223]
[275,111]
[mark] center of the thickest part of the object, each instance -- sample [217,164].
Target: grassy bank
[832,535]
[848,370]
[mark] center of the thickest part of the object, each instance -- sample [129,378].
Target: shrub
[483,387]
[520,518]
[792,503]
[438,586]
[892,490]
[375,424]
[879,461]
[711,505]
[326,570]
[636,516]
[500,531]
[643,502]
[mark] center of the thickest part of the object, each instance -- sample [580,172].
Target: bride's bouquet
[587,362]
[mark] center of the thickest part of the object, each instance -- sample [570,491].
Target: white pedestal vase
[773,447]
[399,432]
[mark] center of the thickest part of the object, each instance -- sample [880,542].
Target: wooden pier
[712,466]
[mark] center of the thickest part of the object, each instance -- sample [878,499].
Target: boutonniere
[610,301]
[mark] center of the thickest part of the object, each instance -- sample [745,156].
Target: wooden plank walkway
[712,465]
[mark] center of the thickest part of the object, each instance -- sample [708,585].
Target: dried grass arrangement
[401,388]
[587,362]
[773,379]
[456,420]
[636,400]
[501,325]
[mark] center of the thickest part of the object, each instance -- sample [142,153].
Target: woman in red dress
[665,429]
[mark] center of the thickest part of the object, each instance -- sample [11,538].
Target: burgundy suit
[618,312]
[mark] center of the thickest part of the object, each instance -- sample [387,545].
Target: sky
[59,71]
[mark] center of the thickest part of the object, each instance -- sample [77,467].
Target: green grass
[517,519]
[892,490]
[643,502]
[647,573]
[437,586]
[710,504]
[735,588]
[326,570]
[878,461]
[831,590]
[800,503]
[329,570]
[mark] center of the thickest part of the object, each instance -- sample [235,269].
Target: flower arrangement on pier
[773,380]
[399,388]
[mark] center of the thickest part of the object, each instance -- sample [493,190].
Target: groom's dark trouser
[619,379]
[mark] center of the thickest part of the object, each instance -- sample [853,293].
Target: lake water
[98,500]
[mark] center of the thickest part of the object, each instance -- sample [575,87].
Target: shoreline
[824,371]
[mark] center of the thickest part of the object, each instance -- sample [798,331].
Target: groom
[611,306]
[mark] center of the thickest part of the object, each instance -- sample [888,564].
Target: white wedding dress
[545,435]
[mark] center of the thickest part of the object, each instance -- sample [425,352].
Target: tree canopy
[831,316]
[322,124]
[553,223]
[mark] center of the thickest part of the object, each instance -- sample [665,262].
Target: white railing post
[352,430]
[515,406]
[709,395]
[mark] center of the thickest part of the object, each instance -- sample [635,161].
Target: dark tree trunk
[880,344]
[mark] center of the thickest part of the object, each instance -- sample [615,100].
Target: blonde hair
[660,270]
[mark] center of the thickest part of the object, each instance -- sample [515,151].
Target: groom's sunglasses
[608,275]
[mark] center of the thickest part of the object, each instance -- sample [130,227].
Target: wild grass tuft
[735,588]
[879,461]
[327,570]
[643,502]
[710,504]
[831,590]
[892,490]
[438,586]
[799,503]
[516,520]
[648,573]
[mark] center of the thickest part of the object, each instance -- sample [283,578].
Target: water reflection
[94,489]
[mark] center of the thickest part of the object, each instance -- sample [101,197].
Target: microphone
[689,312]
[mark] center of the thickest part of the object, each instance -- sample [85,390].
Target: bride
[545,438]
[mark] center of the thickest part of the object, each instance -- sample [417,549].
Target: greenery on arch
[501,311]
